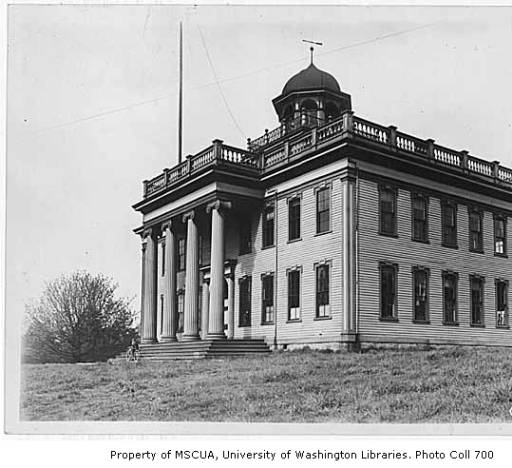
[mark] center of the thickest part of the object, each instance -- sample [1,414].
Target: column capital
[219,205]
[188,215]
[167,225]
[147,232]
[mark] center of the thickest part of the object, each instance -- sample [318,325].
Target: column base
[168,339]
[190,338]
[216,336]
[148,340]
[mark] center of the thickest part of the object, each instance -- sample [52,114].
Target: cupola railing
[299,144]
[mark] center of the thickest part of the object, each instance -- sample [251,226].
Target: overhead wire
[224,80]
[219,87]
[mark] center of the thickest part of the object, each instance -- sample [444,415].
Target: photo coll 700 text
[305,455]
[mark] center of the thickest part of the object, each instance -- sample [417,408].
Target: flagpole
[180,98]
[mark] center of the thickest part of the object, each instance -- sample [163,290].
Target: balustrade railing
[370,130]
[299,143]
[480,166]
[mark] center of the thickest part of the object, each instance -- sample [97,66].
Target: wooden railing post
[189,163]
[217,149]
[313,137]
[348,122]
[430,148]
[495,170]
[392,136]
[287,150]
[464,160]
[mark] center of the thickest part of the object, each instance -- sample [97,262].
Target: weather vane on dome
[312,49]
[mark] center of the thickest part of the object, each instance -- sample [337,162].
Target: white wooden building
[329,231]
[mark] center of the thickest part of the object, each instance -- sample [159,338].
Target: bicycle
[132,355]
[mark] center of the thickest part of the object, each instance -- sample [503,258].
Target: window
[449,224]
[500,236]
[244,318]
[181,309]
[163,258]
[181,253]
[502,304]
[294,295]
[200,251]
[323,221]
[388,291]
[419,218]
[294,219]
[420,284]
[387,211]
[477,300]
[450,281]
[322,291]
[475,231]
[161,313]
[268,226]
[267,299]
[245,235]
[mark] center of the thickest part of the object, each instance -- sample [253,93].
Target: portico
[204,287]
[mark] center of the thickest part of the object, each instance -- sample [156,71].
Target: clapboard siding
[304,253]
[407,253]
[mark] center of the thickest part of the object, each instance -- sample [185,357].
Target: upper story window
[476,242]
[162,250]
[388,291]
[245,235]
[323,210]
[323,308]
[294,294]
[267,299]
[244,287]
[387,211]
[500,235]
[181,253]
[502,304]
[450,282]
[419,218]
[268,225]
[294,218]
[420,283]
[477,300]
[449,224]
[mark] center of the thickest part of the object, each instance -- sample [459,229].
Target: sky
[92,106]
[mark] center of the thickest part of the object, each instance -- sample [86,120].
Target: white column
[190,329]
[349,257]
[231,306]
[205,305]
[216,315]
[170,317]
[148,327]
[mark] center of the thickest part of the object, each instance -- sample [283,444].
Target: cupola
[310,98]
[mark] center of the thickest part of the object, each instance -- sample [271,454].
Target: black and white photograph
[258,219]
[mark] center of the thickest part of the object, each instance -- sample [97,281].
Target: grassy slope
[442,385]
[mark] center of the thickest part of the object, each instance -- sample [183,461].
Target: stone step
[201,349]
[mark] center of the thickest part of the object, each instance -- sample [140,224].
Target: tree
[78,319]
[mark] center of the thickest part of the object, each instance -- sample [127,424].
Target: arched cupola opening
[332,111]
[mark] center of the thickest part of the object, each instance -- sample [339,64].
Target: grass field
[442,385]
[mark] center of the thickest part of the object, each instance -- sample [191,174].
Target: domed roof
[311,78]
